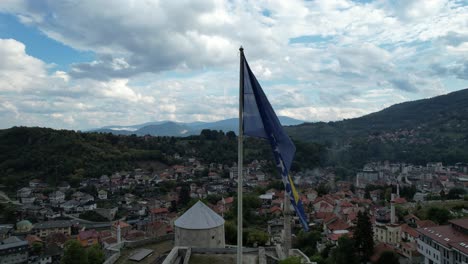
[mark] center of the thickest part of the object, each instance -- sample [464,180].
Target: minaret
[287,225]
[398,190]
[392,210]
[119,236]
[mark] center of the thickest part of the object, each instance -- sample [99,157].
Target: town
[417,212]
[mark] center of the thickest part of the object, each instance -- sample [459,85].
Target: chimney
[392,210]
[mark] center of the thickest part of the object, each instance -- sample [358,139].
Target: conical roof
[199,216]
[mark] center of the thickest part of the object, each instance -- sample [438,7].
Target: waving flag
[261,121]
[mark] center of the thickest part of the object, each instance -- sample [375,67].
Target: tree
[184,195]
[290,260]
[363,236]
[344,253]
[95,255]
[257,237]
[36,248]
[306,242]
[456,193]
[438,215]
[74,253]
[322,189]
[230,231]
[388,257]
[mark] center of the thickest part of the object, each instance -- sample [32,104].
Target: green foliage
[95,254]
[7,213]
[408,192]
[344,253]
[250,203]
[36,248]
[363,236]
[74,253]
[290,260]
[230,231]
[318,259]
[323,189]
[416,132]
[401,211]
[307,241]
[256,237]
[213,198]
[93,216]
[184,196]
[456,193]
[388,257]
[61,155]
[438,215]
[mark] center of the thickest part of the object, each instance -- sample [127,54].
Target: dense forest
[58,155]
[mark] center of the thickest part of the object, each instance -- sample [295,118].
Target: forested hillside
[58,155]
[434,129]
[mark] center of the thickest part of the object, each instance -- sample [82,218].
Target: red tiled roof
[229,200]
[110,240]
[408,229]
[105,233]
[87,234]
[335,237]
[445,235]
[400,200]
[425,223]
[338,225]
[32,238]
[121,223]
[352,216]
[275,209]
[463,222]
[159,210]
[324,215]
[346,204]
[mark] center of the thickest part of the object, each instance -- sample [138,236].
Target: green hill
[50,155]
[63,155]
[434,129]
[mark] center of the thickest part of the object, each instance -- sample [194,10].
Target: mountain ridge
[420,131]
[181,129]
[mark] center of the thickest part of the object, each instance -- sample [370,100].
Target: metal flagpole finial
[241,49]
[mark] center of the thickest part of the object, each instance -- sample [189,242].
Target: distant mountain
[178,129]
[165,129]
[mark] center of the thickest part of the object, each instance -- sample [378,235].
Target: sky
[82,64]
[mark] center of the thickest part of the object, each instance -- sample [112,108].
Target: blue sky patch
[309,39]
[40,46]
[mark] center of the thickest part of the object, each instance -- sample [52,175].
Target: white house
[102,195]
[57,197]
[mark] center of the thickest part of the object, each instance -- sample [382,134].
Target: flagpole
[240,157]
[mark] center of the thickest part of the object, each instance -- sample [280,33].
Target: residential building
[447,244]
[13,250]
[88,237]
[57,197]
[102,195]
[46,228]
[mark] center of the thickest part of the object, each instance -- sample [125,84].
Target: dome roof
[199,216]
[24,225]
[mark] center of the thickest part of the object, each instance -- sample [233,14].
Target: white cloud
[18,71]
[179,59]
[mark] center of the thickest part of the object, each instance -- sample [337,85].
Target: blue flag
[261,121]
